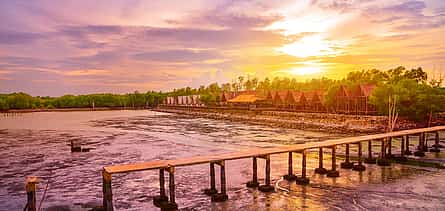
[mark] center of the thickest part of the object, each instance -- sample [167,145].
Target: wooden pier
[168,203]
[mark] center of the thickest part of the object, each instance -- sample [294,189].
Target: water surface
[37,144]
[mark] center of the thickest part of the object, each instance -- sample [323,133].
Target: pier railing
[169,165]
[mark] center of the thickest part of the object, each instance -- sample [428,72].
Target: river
[38,144]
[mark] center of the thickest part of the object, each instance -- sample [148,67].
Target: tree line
[419,97]
[134,100]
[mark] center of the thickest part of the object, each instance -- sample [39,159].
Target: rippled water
[37,144]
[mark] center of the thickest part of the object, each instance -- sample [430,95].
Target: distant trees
[24,101]
[416,96]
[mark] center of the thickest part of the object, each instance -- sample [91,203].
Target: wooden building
[355,99]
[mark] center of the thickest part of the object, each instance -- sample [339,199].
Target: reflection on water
[37,144]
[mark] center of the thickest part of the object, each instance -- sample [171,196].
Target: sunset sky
[77,47]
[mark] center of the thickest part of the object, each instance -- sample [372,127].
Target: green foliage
[414,100]
[25,101]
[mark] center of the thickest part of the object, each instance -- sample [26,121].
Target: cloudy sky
[59,47]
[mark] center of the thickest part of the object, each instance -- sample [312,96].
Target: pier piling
[402,146]
[320,169]
[107,192]
[303,180]
[359,166]
[370,159]
[212,190]
[254,183]
[436,143]
[347,164]
[31,187]
[333,172]
[420,152]
[220,197]
[389,147]
[162,198]
[383,161]
[267,187]
[290,175]
[407,151]
[171,204]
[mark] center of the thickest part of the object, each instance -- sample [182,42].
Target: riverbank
[339,123]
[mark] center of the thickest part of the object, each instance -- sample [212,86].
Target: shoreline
[331,123]
[326,122]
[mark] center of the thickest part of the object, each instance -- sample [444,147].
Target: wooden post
[171,184]
[220,197]
[303,164]
[290,175]
[347,164]
[223,177]
[31,193]
[320,169]
[254,183]
[289,165]
[212,177]
[212,190]
[161,182]
[359,166]
[370,149]
[268,170]
[389,146]
[162,198]
[420,148]
[383,150]
[436,143]
[107,192]
[267,187]
[407,151]
[303,180]
[333,172]
[402,146]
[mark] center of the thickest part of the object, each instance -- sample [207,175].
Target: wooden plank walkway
[259,152]
[168,202]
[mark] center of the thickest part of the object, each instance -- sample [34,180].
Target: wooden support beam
[359,166]
[407,151]
[436,143]
[267,187]
[268,170]
[171,183]
[383,149]
[31,188]
[402,146]
[220,197]
[347,164]
[370,159]
[334,165]
[320,169]
[289,164]
[158,201]
[303,180]
[107,192]
[389,146]
[290,175]
[212,190]
[161,182]
[420,152]
[254,183]
[333,172]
